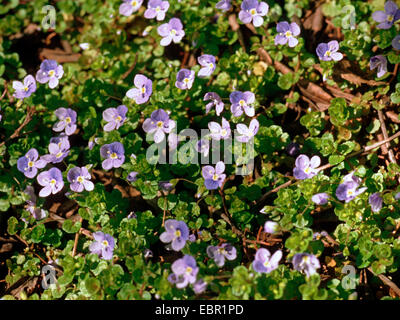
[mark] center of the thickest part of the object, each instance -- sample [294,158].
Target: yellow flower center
[143,90]
[189,270]
[26,88]
[80,179]
[113,155]
[390,18]
[160,124]
[266,263]
[211,65]
[350,192]
[52,73]
[173,32]
[215,177]
[306,259]
[328,53]
[134,3]
[158,9]
[186,80]
[178,233]
[119,119]
[53,181]
[307,170]
[30,164]
[68,120]
[105,243]
[242,102]
[59,155]
[288,34]
[223,132]
[253,12]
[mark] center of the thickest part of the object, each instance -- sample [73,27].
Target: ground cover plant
[199,149]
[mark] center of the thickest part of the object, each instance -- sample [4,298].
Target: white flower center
[134,3]
[288,34]
[223,132]
[253,12]
[52,73]
[173,32]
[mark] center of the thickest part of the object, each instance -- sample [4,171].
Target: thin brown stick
[76,241]
[127,73]
[28,118]
[385,136]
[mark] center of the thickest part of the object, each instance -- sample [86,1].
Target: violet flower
[36,212]
[184,79]
[67,121]
[176,232]
[396,42]
[271,227]
[171,31]
[221,252]
[218,131]
[388,17]
[115,117]
[264,262]
[49,72]
[247,133]
[306,168]
[51,181]
[132,176]
[184,271]
[379,62]
[128,7]
[58,149]
[224,5]
[103,245]
[214,178]
[216,102]
[287,33]
[25,89]
[293,149]
[29,163]
[328,51]
[207,62]
[348,189]
[241,101]
[79,179]
[305,262]
[156,9]
[114,154]
[252,10]
[203,146]
[144,88]
[320,198]
[158,124]
[376,201]
[200,286]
